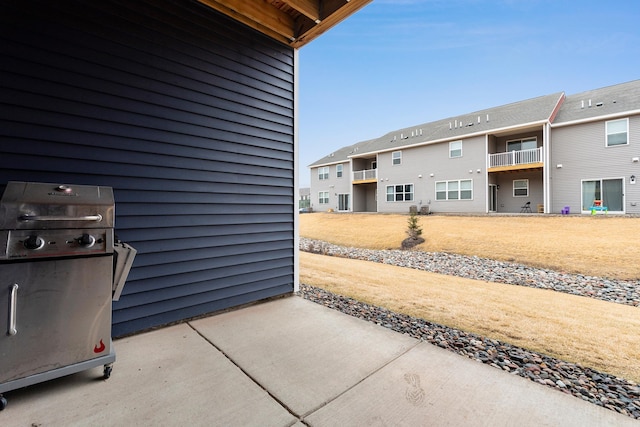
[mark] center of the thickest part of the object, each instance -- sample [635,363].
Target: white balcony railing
[366,174]
[513,158]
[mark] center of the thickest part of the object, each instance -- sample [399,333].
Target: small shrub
[414,231]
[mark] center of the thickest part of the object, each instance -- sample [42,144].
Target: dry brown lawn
[598,334]
[603,246]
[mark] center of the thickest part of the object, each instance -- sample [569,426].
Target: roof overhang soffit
[292,22]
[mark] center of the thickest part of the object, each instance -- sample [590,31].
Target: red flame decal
[99,348]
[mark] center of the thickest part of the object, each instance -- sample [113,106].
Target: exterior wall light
[559,166]
[635,159]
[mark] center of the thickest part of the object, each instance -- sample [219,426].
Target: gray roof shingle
[595,103]
[592,104]
[535,110]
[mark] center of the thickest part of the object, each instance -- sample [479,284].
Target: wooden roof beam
[258,15]
[292,22]
[309,8]
[335,16]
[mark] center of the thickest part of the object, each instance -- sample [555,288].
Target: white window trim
[460,190]
[621,178]
[339,171]
[393,158]
[450,149]
[413,193]
[514,188]
[320,198]
[322,175]
[606,133]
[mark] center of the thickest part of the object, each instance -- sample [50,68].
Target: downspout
[351,187]
[546,167]
[486,173]
[378,188]
[296,181]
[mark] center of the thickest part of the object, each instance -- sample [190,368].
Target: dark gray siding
[187,115]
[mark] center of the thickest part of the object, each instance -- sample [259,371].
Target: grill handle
[13,300]
[96,218]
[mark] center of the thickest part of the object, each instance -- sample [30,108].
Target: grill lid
[31,205]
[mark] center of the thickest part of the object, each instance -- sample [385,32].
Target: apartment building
[550,154]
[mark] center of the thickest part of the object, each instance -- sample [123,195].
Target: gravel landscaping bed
[471,267]
[616,394]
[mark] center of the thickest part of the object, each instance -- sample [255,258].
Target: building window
[617,132]
[338,171]
[466,190]
[454,190]
[323,173]
[400,193]
[455,149]
[441,190]
[396,158]
[323,197]
[522,144]
[520,188]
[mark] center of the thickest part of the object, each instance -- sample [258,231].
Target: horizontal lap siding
[187,115]
[583,154]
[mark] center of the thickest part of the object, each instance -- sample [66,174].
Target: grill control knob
[33,242]
[87,240]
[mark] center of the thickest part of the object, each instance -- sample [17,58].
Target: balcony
[365,176]
[515,160]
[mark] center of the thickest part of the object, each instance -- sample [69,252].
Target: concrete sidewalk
[293,362]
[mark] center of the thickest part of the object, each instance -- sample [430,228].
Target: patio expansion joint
[256,382]
[378,369]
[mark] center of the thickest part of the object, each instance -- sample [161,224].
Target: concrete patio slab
[303,353]
[169,377]
[429,386]
[291,362]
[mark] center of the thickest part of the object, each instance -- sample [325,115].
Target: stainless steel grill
[60,269]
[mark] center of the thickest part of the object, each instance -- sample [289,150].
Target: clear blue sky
[399,63]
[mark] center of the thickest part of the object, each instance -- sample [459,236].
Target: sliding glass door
[343,202]
[609,191]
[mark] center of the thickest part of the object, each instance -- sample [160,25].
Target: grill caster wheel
[107,371]
[3,402]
